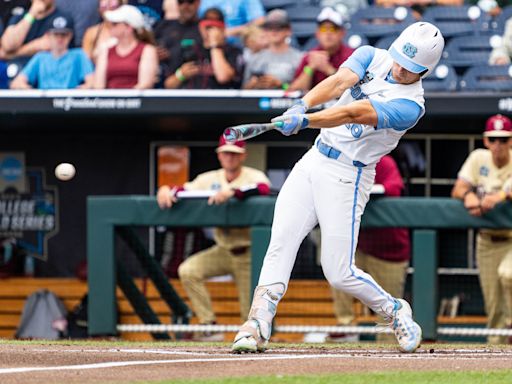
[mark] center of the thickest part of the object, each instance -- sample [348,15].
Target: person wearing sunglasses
[484,181]
[323,60]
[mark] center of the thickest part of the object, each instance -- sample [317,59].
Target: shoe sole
[244,345]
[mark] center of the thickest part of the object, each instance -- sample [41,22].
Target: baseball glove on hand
[291,124]
[298,108]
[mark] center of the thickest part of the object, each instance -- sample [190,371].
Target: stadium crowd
[212,44]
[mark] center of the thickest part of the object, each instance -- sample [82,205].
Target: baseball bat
[248,131]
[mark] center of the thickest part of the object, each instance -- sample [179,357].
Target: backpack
[43,317]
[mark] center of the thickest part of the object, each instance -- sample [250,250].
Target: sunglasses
[327,28]
[502,140]
[186,1]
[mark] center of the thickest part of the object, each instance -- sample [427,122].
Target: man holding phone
[213,64]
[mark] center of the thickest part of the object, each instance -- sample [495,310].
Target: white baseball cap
[126,14]
[329,14]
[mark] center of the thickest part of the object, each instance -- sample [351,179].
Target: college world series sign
[28,207]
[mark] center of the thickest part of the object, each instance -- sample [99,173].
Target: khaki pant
[215,261]
[495,267]
[389,275]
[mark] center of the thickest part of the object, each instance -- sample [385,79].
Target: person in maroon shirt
[325,59]
[132,62]
[382,252]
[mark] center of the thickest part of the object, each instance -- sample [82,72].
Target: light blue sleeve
[31,69]
[85,63]
[398,114]
[253,9]
[359,61]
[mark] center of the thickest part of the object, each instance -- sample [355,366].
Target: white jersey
[365,143]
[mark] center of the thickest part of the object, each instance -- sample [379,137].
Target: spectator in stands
[484,181]
[346,7]
[491,7]
[382,252]
[26,35]
[273,68]
[239,14]
[231,254]
[172,34]
[84,13]
[501,55]
[59,68]
[254,39]
[99,36]
[133,61]
[215,64]
[325,59]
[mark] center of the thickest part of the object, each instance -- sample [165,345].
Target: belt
[333,153]
[499,239]
[327,150]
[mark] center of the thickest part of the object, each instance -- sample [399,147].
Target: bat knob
[230,135]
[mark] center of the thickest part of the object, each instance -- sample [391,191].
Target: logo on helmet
[409,50]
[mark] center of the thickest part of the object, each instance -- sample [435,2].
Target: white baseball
[65,171]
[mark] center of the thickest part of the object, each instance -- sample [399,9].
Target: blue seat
[304,13]
[352,40]
[385,42]
[492,78]
[456,20]
[466,51]
[498,23]
[375,22]
[442,79]
[303,30]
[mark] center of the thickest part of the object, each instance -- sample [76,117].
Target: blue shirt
[399,114]
[236,12]
[44,71]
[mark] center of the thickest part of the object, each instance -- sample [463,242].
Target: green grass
[436,377]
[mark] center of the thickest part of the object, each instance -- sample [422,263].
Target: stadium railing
[423,215]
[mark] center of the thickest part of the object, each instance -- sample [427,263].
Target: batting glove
[298,108]
[291,124]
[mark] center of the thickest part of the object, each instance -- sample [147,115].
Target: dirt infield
[74,363]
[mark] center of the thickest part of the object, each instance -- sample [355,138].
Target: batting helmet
[418,48]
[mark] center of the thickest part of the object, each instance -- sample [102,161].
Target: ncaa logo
[409,50]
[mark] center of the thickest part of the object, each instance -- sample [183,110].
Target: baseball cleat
[407,331]
[248,339]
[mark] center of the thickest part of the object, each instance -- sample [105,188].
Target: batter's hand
[221,197]
[166,197]
[299,108]
[292,124]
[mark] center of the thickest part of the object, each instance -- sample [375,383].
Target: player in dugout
[231,253]
[380,98]
[484,181]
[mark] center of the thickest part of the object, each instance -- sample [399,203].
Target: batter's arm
[357,112]
[331,88]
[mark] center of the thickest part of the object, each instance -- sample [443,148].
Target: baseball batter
[380,98]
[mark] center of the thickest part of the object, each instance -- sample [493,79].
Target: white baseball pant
[332,193]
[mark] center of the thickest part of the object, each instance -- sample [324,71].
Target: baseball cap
[236,147]
[126,14]
[276,18]
[61,24]
[213,17]
[498,126]
[329,14]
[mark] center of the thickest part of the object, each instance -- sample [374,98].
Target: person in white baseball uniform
[380,98]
